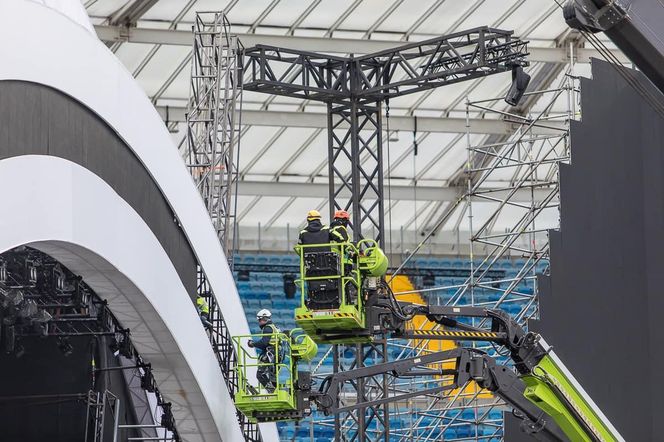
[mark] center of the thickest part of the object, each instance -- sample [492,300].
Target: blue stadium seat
[463,431]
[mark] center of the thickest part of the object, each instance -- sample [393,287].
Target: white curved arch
[73,215]
[59,53]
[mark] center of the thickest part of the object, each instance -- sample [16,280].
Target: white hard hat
[264,314]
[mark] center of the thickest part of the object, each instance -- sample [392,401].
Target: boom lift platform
[336,280]
[290,398]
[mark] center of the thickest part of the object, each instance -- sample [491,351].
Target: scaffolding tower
[213,120]
[212,152]
[516,178]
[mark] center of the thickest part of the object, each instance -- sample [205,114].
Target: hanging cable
[389,176]
[415,148]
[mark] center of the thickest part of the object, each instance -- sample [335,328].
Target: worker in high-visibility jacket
[203,311]
[271,353]
[339,226]
[315,233]
[339,234]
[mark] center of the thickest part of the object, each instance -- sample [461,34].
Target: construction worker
[315,233]
[321,293]
[203,311]
[339,226]
[339,234]
[267,371]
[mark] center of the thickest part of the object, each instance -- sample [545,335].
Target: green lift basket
[344,322]
[254,400]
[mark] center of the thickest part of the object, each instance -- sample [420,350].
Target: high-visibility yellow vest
[274,339]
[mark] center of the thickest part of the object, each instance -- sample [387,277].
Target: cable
[389,175]
[415,149]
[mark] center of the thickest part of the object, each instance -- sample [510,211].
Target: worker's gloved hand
[250,343]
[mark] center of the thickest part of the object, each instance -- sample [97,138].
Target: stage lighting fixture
[167,420]
[147,381]
[114,346]
[28,309]
[13,297]
[58,279]
[31,271]
[65,346]
[124,347]
[520,81]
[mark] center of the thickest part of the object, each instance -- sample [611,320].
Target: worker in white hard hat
[267,345]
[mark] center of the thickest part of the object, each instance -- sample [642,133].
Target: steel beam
[314,120]
[131,12]
[320,44]
[397,192]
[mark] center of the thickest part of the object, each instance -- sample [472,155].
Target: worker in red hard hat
[339,234]
[339,226]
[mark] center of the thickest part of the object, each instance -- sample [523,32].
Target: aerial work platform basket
[259,403]
[332,282]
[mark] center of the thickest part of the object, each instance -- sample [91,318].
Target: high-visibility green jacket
[339,234]
[202,305]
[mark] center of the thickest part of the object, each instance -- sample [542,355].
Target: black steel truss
[354,89]
[394,72]
[370,423]
[355,166]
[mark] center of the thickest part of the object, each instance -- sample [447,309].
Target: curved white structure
[127,266]
[65,56]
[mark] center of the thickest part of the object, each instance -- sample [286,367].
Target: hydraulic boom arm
[470,365]
[549,385]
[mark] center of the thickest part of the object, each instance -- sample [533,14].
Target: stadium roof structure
[284,145]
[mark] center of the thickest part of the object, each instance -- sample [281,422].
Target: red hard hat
[341,214]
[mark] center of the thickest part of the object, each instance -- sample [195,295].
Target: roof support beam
[397,192]
[130,13]
[318,44]
[401,123]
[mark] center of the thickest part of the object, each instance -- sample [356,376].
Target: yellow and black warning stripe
[304,317]
[334,315]
[456,334]
[343,315]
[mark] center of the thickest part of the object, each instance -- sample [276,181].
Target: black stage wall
[602,308]
[38,391]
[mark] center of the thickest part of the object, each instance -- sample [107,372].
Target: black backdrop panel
[602,307]
[37,391]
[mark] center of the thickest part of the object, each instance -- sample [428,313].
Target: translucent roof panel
[295,154]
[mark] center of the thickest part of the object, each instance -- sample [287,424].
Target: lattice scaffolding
[213,120]
[512,201]
[213,140]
